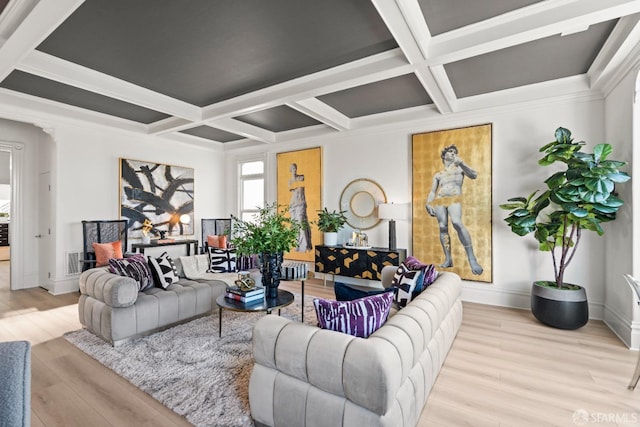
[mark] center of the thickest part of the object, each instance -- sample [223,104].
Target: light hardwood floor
[505,369]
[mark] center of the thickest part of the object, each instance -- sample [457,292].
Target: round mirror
[360,200]
[362,204]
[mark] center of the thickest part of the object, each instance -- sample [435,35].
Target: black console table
[140,247]
[356,262]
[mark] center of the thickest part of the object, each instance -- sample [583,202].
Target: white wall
[518,132]
[620,309]
[83,163]
[86,184]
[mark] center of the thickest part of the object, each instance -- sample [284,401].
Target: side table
[140,247]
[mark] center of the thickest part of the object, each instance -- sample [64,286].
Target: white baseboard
[65,286]
[627,330]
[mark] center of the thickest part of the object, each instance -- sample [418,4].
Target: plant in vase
[580,197]
[269,235]
[330,223]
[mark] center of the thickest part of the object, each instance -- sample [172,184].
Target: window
[251,188]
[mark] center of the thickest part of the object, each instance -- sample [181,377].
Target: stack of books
[254,295]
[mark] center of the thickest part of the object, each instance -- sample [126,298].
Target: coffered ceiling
[232,73]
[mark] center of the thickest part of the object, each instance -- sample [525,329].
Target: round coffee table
[267,304]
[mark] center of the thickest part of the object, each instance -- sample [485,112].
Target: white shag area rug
[188,368]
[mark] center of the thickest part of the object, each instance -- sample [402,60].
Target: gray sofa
[306,376]
[111,307]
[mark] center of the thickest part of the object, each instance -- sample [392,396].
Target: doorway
[5,220]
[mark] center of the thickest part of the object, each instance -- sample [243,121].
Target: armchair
[101,232]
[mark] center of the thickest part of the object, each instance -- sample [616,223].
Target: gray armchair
[15,384]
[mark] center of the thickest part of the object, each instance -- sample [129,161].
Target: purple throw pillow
[134,266]
[360,317]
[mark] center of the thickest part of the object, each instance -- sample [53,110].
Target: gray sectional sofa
[111,307]
[307,376]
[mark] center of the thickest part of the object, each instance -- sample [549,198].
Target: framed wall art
[162,194]
[451,197]
[300,188]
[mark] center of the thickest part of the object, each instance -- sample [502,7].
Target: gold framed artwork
[300,188]
[162,194]
[451,197]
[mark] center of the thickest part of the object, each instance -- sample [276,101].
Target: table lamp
[392,212]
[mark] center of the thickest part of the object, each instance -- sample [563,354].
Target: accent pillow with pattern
[222,260]
[163,270]
[405,280]
[360,317]
[134,266]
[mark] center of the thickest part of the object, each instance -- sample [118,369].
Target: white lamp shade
[185,218]
[392,211]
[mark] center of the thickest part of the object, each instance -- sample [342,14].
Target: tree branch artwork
[157,193]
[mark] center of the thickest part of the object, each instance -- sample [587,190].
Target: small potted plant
[330,223]
[269,236]
[581,197]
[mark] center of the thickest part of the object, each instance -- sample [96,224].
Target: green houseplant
[330,223]
[269,236]
[580,197]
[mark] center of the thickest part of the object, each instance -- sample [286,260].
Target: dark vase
[270,268]
[560,308]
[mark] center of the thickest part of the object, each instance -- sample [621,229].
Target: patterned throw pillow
[163,270]
[222,260]
[105,251]
[405,281]
[430,274]
[360,317]
[135,267]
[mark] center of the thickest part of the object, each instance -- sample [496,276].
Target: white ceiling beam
[28,108]
[530,23]
[60,70]
[322,112]
[436,82]
[377,67]
[568,87]
[170,124]
[43,19]
[619,47]
[244,129]
[397,23]
[405,21]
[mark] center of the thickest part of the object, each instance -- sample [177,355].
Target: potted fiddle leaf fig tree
[578,198]
[271,234]
[330,223]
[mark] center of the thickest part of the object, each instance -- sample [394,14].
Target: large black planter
[560,308]
[270,268]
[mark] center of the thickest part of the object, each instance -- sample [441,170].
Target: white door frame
[16,231]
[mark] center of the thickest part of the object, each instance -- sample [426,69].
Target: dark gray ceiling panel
[545,59]
[447,15]
[212,133]
[205,51]
[379,97]
[55,91]
[278,119]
